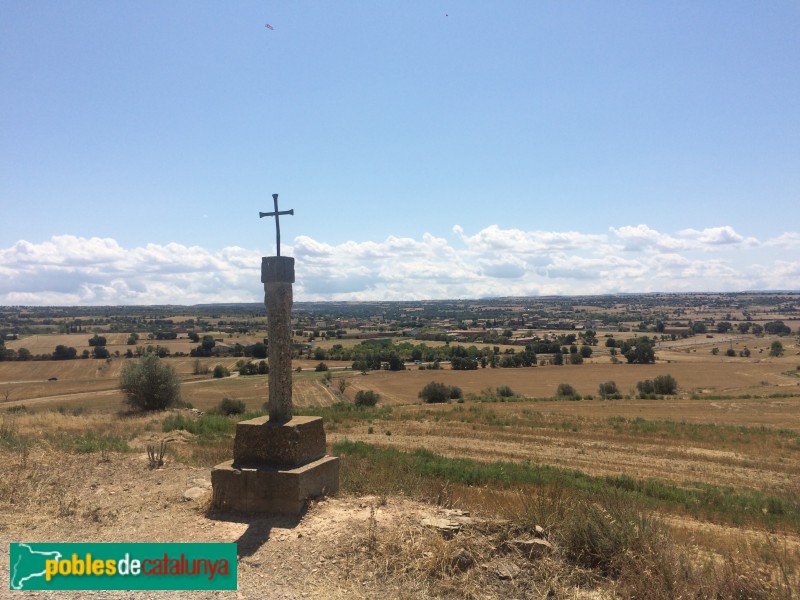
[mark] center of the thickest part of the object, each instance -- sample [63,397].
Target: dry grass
[598,550]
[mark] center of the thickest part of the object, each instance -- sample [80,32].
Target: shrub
[366,398]
[321,367]
[220,372]
[575,359]
[148,384]
[730,352]
[609,389]
[565,390]
[663,385]
[230,406]
[439,392]
[505,392]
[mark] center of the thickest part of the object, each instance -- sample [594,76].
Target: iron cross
[276,214]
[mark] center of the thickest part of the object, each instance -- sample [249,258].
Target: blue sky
[429,149]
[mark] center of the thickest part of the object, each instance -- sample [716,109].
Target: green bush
[230,406]
[439,392]
[505,392]
[148,384]
[609,390]
[220,371]
[565,390]
[662,385]
[366,398]
[321,367]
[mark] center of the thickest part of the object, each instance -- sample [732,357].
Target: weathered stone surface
[446,527]
[273,490]
[262,441]
[194,493]
[277,268]
[278,299]
[506,570]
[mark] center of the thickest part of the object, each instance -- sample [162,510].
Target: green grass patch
[10,438]
[208,426]
[88,442]
[409,469]
[344,412]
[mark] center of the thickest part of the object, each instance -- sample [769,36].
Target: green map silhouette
[27,564]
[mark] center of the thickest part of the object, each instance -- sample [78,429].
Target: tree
[220,371]
[257,350]
[133,338]
[101,352]
[97,340]
[664,385]
[586,351]
[565,390]
[439,392]
[609,390]
[206,347]
[777,328]
[699,327]
[396,363]
[366,398]
[776,349]
[148,384]
[641,352]
[321,367]
[63,353]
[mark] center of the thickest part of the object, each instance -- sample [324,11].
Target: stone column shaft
[277,274]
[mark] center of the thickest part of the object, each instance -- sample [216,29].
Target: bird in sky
[268,26]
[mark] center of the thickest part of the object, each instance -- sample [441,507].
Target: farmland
[717,462]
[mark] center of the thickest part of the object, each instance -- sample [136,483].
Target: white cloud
[789,241]
[643,238]
[491,262]
[716,236]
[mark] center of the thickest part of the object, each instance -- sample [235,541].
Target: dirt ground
[321,555]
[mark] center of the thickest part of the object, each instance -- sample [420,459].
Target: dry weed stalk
[156,458]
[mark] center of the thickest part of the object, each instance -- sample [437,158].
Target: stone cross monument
[279,461]
[277,275]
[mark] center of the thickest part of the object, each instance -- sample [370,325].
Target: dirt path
[124,501]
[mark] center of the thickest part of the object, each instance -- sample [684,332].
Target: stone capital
[278,269]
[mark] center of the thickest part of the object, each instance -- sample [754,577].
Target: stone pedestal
[276,467]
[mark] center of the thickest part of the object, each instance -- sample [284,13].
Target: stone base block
[271,489]
[260,442]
